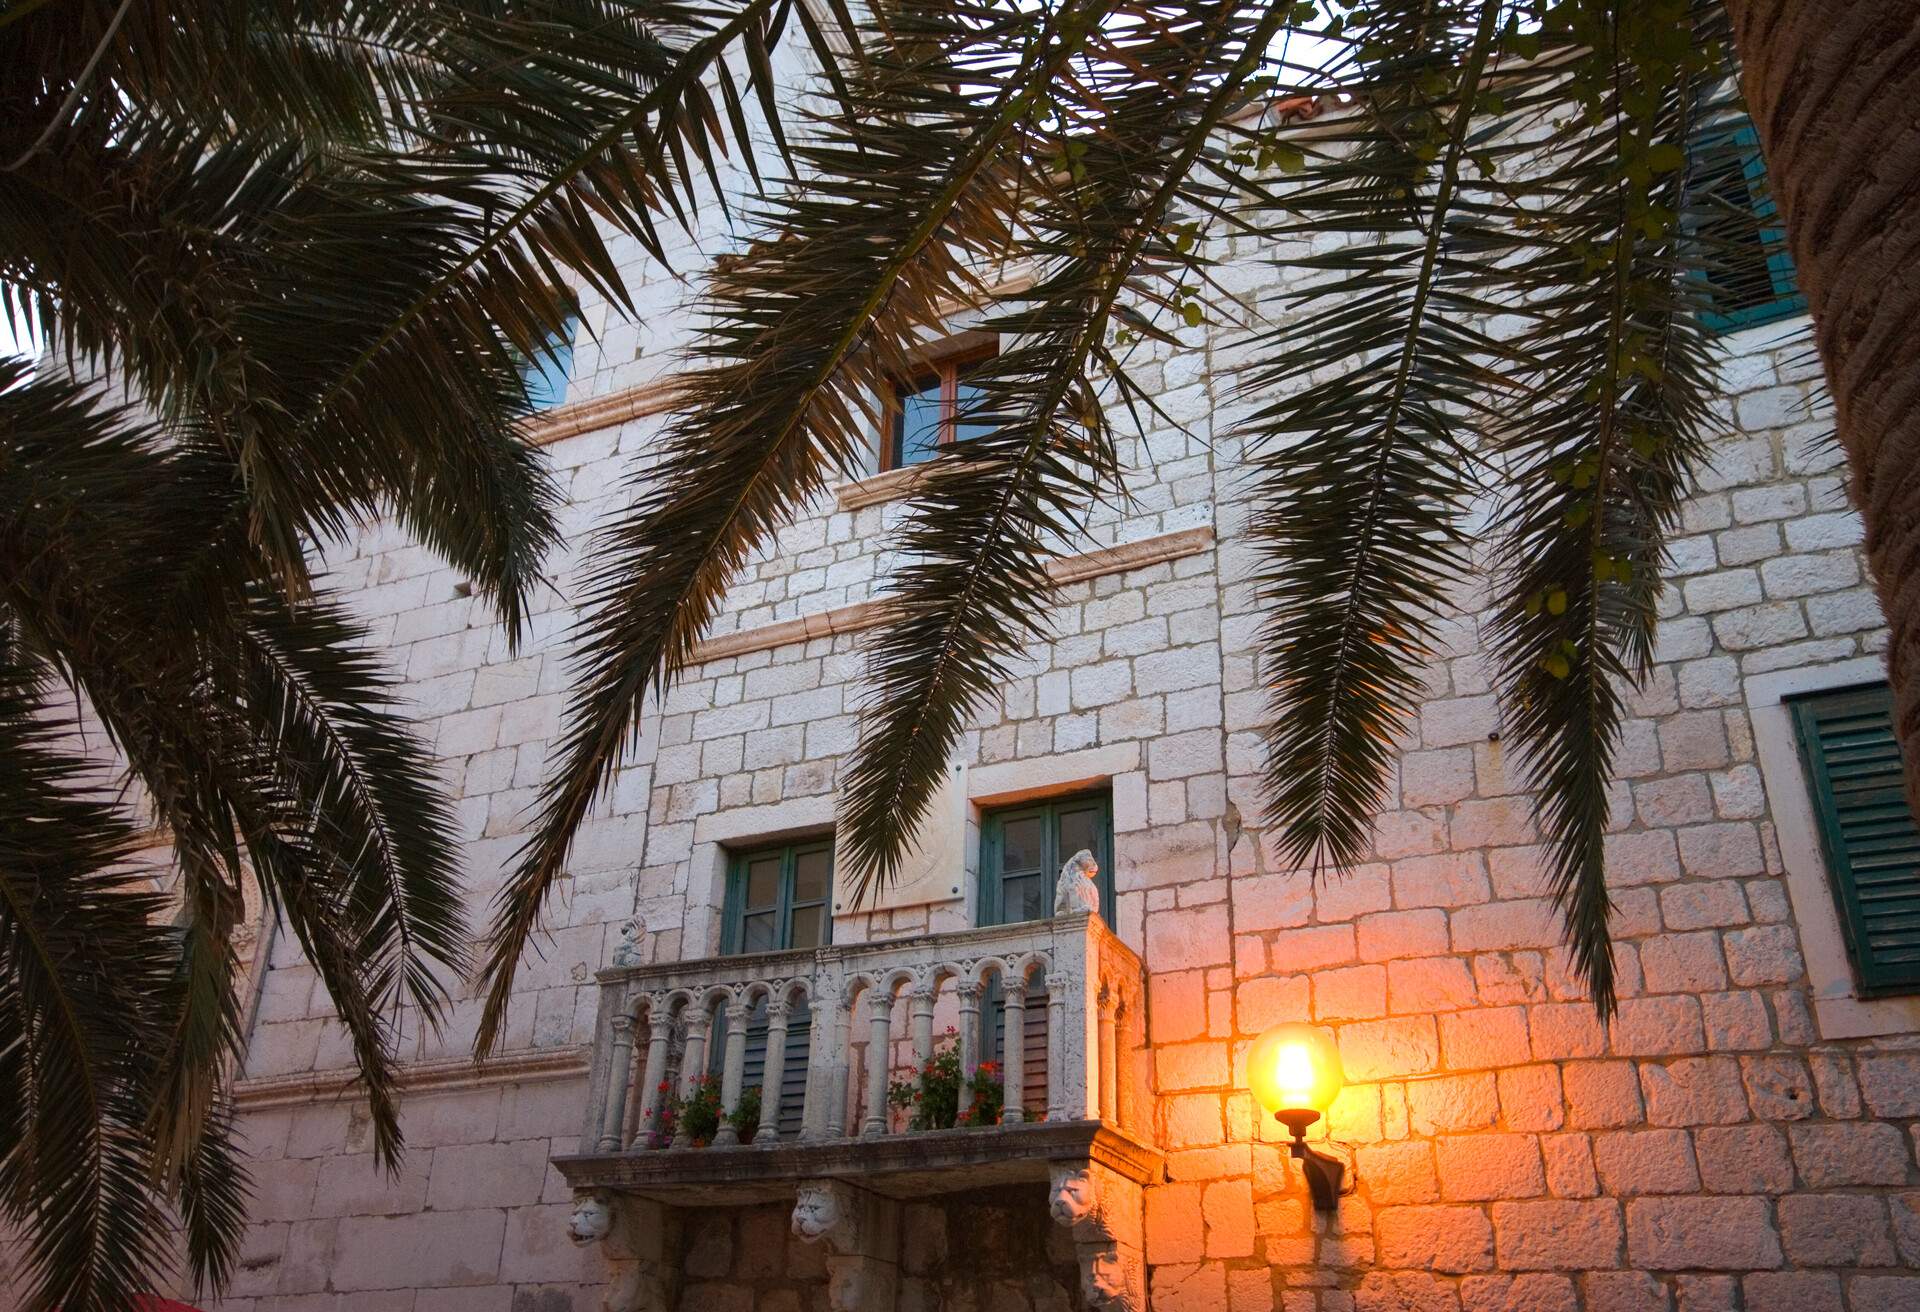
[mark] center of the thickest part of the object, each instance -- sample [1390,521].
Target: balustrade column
[775,1074]
[1058,1058]
[922,1013]
[879,1032]
[693,1064]
[1124,1068]
[969,995]
[659,1038]
[1013,1053]
[619,1075]
[1109,1061]
[732,1071]
[841,1059]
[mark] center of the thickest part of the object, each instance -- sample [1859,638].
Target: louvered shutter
[753,1070]
[1872,845]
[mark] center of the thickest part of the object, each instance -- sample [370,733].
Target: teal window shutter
[1752,279]
[1872,846]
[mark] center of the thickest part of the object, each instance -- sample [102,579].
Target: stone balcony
[872,1008]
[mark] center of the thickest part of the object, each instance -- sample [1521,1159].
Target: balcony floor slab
[905,1166]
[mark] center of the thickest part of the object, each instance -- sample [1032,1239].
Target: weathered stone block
[1552,1235]
[1744,1159]
[1719,1234]
[1694,1091]
[1645,1162]
[1485,1037]
[1389,935]
[1890,1082]
[1398,1172]
[1682,963]
[1354,993]
[1864,1152]
[1446,1239]
[1602,1094]
[1847,1230]
[1530,1098]
[1792,1291]
[1452,1102]
[423,1250]
[1429,984]
[1383,1049]
[1489,1167]
[1537,1292]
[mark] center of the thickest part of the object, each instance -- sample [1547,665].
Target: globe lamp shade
[1294,1071]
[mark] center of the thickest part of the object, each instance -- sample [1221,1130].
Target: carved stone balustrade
[657,1025]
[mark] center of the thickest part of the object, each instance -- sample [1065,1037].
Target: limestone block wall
[1742,1137]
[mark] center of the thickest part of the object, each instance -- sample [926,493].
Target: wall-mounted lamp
[1295,1074]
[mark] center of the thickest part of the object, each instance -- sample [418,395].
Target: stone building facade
[1742,1136]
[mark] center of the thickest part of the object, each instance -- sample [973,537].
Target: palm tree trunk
[1834,90]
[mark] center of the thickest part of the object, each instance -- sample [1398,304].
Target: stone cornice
[599,412]
[528,1066]
[895,1165]
[868,614]
[893,485]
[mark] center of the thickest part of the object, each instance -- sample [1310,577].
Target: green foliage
[697,1112]
[938,1096]
[745,1116]
[310,245]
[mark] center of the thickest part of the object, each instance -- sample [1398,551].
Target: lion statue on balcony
[1077,888]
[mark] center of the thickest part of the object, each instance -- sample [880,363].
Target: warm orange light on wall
[1294,1072]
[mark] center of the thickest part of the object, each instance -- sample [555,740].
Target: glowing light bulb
[1295,1069]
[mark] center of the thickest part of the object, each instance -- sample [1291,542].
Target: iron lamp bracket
[1325,1175]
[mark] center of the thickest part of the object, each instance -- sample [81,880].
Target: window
[545,375]
[927,412]
[1021,851]
[1750,276]
[777,898]
[1023,847]
[1872,846]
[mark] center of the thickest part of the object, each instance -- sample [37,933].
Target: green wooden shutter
[1872,845]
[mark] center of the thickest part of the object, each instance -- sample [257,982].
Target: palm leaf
[975,590]
[912,180]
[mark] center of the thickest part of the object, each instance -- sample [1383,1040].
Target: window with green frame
[1751,279]
[1023,847]
[1872,846]
[1021,851]
[776,900]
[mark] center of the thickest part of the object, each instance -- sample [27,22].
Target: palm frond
[1363,461]
[974,590]
[83,961]
[1611,421]
[913,182]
